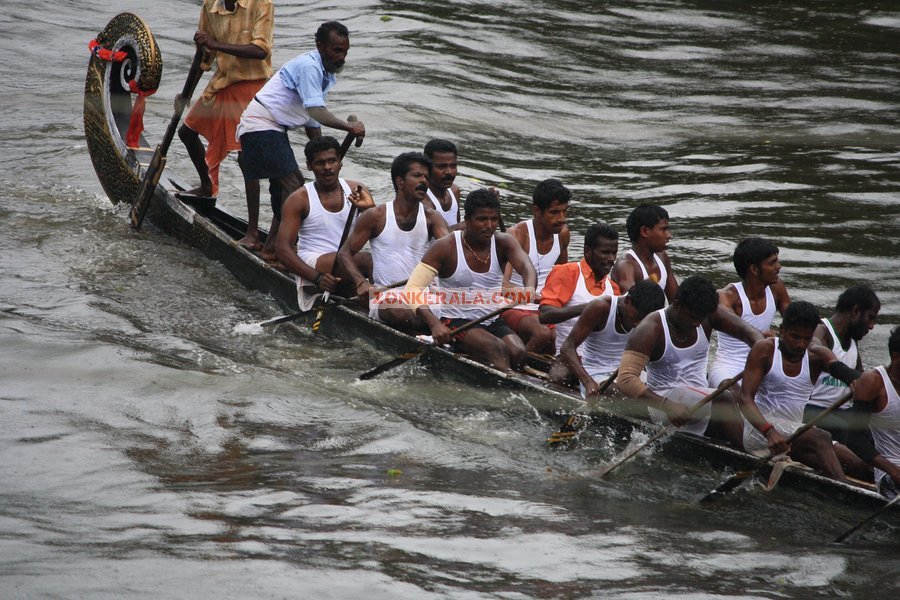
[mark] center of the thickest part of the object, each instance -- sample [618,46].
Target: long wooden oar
[408,356]
[334,302]
[738,478]
[668,428]
[856,527]
[320,313]
[575,424]
[154,170]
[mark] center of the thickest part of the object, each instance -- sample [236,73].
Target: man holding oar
[315,216]
[854,317]
[602,331]
[237,35]
[469,265]
[398,233]
[778,378]
[876,408]
[754,298]
[294,97]
[672,344]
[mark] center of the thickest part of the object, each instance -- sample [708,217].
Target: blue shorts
[267,155]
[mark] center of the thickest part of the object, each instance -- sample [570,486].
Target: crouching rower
[673,344]
[876,399]
[398,233]
[315,216]
[469,265]
[778,378]
[602,331]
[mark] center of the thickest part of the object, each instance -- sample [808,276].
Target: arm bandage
[418,281]
[629,378]
[843,372]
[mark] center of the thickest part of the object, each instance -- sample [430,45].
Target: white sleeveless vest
[486,286]
[395,253]
[542,264]
[321,231]
[663,275]
[581,295]
[602,350]
[678,367]
[451,215]
[885,425]
[731,354]
[828,388]
[781,398]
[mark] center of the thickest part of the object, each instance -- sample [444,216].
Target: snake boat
[125,61]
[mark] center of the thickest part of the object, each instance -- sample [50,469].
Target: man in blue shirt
[294,97]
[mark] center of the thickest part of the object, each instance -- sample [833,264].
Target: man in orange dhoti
[237,36]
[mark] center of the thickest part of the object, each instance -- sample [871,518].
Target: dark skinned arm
[595,312]
[363,231]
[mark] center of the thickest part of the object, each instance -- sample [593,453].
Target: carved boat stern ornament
[125,59]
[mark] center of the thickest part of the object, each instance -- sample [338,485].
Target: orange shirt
[250,23]
[562,280]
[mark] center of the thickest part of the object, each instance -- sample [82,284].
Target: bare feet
[202,190]
[251,241]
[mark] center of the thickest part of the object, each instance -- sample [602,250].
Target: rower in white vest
[443,195]
[755,299]
[649,231]
[545,237]
[315,216]
[398,234]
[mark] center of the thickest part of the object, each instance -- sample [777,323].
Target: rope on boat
[105,53]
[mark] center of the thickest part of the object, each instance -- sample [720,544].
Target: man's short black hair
[801,314]
[596,232]
[643,215]
[325,29]
[480,198]
[698,295]
[894,340]
[439,145]
[646,296]
[404,162]
[752,251]
[549,190]
[321,144]
[859,295]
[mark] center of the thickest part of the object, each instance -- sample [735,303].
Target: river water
[150,448]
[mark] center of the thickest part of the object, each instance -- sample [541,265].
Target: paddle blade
[148,188]
[569,431]
[403,358]
[729,485]
[281,319]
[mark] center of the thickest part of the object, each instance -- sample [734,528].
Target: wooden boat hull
[214,232]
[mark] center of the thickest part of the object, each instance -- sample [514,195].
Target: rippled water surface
[151,447]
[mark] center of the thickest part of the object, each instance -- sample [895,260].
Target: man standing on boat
[398,233]
[315,216]
[672,344]
[754,298]
[778,379]
[545,238]
[237,36]
[294,97]
[602,331]
[443,195]
[469,265]
[649,231]
[875,415]
[571,286]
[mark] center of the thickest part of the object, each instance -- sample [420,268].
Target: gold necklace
[484,261]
